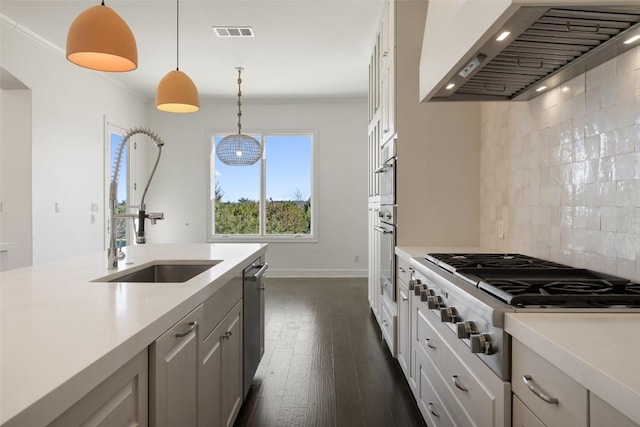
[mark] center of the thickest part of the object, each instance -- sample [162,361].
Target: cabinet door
[232,366]
[120,400]
[220,376]
[522,416]
[210,386]
[174,374]
[404,335]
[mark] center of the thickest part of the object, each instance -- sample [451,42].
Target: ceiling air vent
[234,31]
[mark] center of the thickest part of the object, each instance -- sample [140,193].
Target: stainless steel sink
[162,272]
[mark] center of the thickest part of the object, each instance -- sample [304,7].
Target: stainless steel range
[472,292]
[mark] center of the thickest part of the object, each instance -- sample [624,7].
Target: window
[270,200]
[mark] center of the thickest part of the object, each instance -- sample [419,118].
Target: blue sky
[288,166]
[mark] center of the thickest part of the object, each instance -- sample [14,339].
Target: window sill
[263,239]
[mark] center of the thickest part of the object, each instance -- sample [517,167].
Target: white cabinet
[522,416]
[601,414]
[197,380]
[471,393]
[404,318]
[551,395]
[173,385]
[118,401]
[220,388]
[374,291]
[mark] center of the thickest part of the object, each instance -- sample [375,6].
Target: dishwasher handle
[258,274]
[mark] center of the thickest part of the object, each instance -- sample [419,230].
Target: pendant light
[99,39]
[176,92]
[239,149]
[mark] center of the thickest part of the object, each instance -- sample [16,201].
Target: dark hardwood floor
[324,361]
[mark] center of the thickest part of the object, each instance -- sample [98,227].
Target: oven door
[386,260]
[387,182]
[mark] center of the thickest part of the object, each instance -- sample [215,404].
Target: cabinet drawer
[522,416]
[427,398]
[464,388]
[554,397]
[404,270]
[388,327]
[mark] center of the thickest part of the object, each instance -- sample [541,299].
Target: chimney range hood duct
[549,47]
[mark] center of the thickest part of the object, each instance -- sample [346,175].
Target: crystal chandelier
[239,149]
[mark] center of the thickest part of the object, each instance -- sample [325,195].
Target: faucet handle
[155,216]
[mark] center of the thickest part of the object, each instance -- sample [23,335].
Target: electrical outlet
[93,218]
[356,258]
[57,207]
[94,207]
[500,230]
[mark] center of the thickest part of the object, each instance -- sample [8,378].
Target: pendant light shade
[176,92]
[100,40]
[239,149]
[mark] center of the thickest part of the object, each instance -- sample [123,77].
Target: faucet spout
[113,253]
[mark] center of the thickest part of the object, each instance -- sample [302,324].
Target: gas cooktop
[524,281]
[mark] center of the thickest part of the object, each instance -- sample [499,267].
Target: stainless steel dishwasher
[253,328]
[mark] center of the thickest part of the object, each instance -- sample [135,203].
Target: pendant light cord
[239,102]
[177,35]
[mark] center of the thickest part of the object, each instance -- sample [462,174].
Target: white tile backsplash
[561,172]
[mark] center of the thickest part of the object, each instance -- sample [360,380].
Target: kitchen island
[63,334]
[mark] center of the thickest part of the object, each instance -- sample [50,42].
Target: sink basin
[162,272]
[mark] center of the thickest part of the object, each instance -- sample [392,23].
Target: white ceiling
[302,48]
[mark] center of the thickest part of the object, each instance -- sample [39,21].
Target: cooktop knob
[481,343]
[434,302]
[413,283]
[448,314]
[425,293]
[418,289]
[465,329]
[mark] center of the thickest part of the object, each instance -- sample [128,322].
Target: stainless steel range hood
[548,47]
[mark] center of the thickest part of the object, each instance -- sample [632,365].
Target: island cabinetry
[119,400]
[522,416]
[551,395]
[196,366]
[174,360]
[221,395]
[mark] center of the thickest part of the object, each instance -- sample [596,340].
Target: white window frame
[129,167]
[263,237]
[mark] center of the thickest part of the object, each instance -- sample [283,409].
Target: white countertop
[61,334]
[598,350]
[419,251]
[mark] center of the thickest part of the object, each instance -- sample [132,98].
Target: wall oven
[385,225]
[386,231]
[387,174]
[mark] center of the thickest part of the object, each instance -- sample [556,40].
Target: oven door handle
[383,230]
[382,168]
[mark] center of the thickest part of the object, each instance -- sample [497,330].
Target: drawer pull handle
[429,343]
[433,412]
[192,326]
[402,270]
[227,334]
[457,383]
[405,299]
[529,383]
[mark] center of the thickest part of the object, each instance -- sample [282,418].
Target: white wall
[561,173]
[15,175]
[181,186]
[69,106]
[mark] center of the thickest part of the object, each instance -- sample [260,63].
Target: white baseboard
[315,273]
